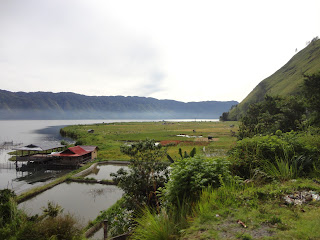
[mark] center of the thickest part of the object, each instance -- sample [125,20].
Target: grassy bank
[109,137]
[251,212]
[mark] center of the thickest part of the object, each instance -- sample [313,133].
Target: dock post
[105,229]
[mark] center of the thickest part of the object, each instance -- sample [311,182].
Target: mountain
[286,81]
[66,105]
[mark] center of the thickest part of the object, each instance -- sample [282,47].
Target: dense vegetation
[287,81]
[47,105]
[277,153]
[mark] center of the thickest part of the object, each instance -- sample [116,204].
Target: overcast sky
[182,50]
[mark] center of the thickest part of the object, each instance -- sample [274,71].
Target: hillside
[286,81]
[48,105]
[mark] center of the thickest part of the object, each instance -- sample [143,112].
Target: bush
[189,176]
[252,153]
[64,227]
[147,172]
[118,217]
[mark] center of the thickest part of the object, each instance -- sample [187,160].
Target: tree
[311,90]
[274,113]
[147,172]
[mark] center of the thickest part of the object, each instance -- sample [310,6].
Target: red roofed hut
[76,155]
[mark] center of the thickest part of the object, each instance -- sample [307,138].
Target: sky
[181,50]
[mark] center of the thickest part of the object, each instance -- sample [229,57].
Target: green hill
[286,81]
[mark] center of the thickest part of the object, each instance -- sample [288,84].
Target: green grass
[218,212]
[109,137]
[261,209]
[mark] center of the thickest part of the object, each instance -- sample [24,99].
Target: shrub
[118,217]
[166,224]
[189,176]
[64,227]
[147,172]
[252,153]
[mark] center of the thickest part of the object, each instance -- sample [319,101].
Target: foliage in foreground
[189,176]
[164,225]
[118,217]
[261,209]
[147,172]
[15,224]
[218,212]
[301,149]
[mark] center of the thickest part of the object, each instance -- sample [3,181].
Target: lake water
[26,132]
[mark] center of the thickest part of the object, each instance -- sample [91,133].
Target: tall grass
[214,199]
[285,168]
[282,169]
[164,225]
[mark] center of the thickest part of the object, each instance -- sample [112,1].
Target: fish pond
[102,172]
[84,201]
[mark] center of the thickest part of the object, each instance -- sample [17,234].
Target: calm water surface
[85,201]
[103,171]
[26,132]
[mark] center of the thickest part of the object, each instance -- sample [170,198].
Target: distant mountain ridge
[66,105]
[286,81]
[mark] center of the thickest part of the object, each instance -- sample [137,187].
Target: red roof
[76,151]
[88,148]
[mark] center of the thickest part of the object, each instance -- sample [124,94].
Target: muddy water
[85,201]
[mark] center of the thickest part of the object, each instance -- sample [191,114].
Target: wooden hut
[74,156]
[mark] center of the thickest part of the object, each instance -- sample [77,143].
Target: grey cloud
[55,40]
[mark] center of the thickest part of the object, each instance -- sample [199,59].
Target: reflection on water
[103,171]
[85,201]
[21,181]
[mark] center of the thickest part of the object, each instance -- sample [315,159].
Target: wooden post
[105,229]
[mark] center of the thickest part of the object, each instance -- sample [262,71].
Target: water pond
[85,201]
[103,171]
[23,181]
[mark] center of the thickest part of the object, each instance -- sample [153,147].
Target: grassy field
[262,209]
[109,137]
